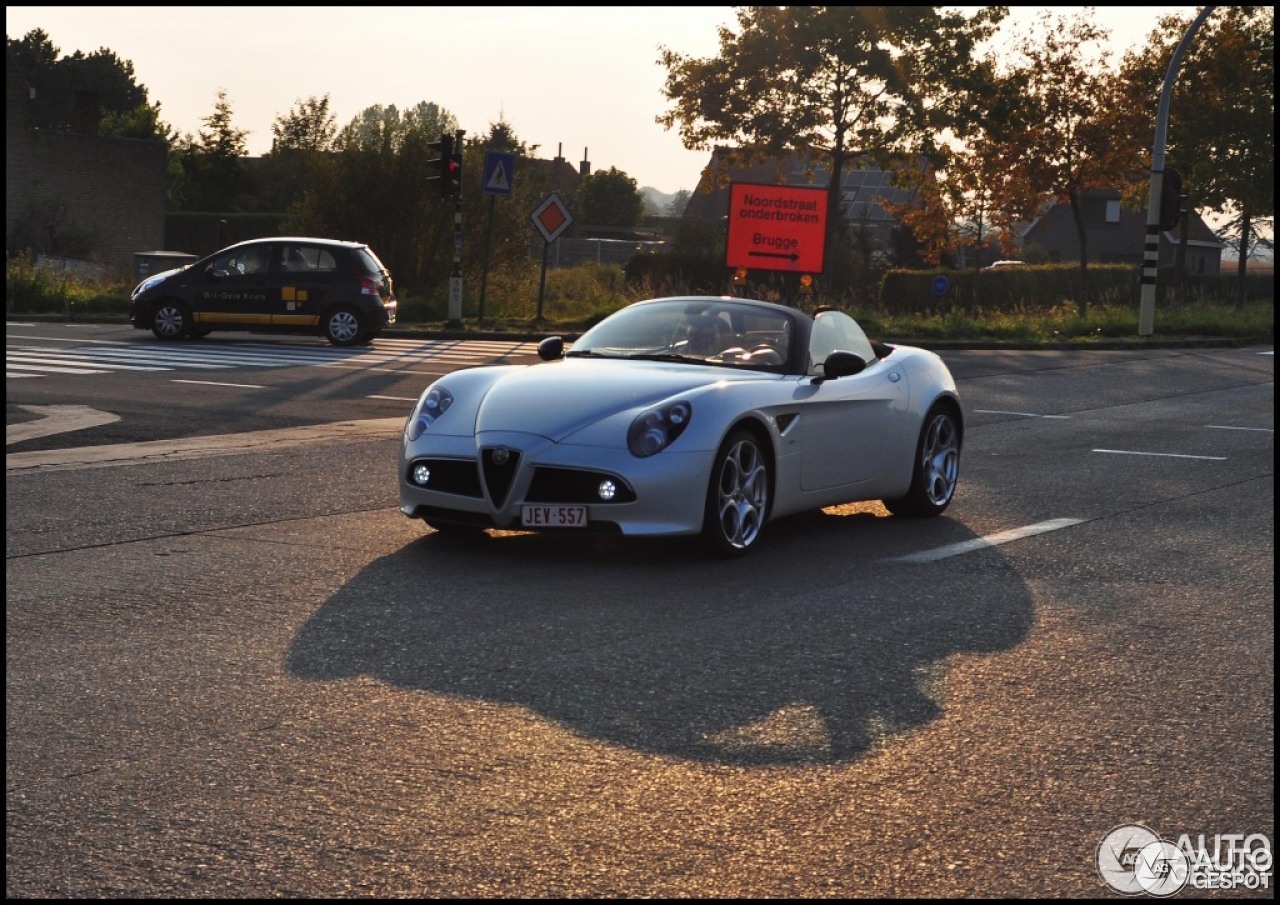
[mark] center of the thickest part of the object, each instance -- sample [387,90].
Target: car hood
[557,399]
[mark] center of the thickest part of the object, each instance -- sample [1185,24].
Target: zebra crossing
[38,357]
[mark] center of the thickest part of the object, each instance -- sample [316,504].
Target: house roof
[864,186]
[1132,225]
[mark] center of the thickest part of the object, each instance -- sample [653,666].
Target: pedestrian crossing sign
[498,168]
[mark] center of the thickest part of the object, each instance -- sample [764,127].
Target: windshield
[713,331]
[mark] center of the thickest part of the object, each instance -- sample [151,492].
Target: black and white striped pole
[455,275]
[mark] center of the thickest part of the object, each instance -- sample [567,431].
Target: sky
[569,80]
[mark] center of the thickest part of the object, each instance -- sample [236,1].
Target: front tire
[738,496]
[937,467]
[343,327]
[171,320]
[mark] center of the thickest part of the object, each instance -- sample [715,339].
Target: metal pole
[455,276]
[542,282]
[484,273]
[1151,252]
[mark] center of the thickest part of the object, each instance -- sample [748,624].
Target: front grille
[569,485]
[499,466]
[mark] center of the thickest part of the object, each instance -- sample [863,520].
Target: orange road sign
[776,227]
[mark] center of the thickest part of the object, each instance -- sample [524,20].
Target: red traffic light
[446,164]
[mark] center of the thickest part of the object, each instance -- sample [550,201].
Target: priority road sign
[776,227]
[551,217]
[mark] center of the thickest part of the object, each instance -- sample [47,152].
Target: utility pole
[449,174]
[455,276]
[1151,253]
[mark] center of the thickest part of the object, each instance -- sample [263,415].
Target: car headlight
[435,402]
[148,283]
[655,430]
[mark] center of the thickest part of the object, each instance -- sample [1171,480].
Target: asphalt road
[236,670]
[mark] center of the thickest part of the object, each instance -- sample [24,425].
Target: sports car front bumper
[485,481]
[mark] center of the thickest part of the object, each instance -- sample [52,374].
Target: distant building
[1115,235]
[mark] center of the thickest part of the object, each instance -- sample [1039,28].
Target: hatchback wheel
[342,327]
[171,320]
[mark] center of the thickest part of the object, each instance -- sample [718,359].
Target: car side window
[307,259]
[295,259]
[252,260]
[241,262]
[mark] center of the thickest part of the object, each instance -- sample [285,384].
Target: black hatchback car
[337,289]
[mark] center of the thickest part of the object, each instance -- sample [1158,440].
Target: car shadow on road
[818,647]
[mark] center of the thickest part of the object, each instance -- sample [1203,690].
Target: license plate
[553,516]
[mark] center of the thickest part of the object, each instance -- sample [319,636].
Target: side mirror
[841,364]
[551,348]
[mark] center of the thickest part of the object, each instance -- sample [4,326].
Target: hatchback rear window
[369,261]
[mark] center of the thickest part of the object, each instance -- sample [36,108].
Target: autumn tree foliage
[1063,131]
[837,82]
[1221,130]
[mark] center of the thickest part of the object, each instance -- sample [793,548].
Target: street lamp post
[1151,254]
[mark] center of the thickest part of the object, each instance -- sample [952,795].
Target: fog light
[607,489]
[421,474]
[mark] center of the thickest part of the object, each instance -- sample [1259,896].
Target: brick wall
[110,190]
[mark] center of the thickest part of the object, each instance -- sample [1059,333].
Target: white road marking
[1228,427]
[47,369]
[1134,452]
[395,398]
[990,540]
[395,356]
[1023,414]
[214,383]
[55,419]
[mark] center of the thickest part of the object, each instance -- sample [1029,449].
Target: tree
[374,188]
[301,140]
[1065,133]
[610,198]
[308,126]
[1221,132]
[81,92]
[831,81]
[675,208]
[213,162]
[143,122]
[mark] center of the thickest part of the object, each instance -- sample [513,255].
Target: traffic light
[446,165]
[454,178]
[1171,198]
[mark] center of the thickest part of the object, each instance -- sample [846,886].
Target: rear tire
[737,496]
[171,320]
[343,326]
[937,467]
